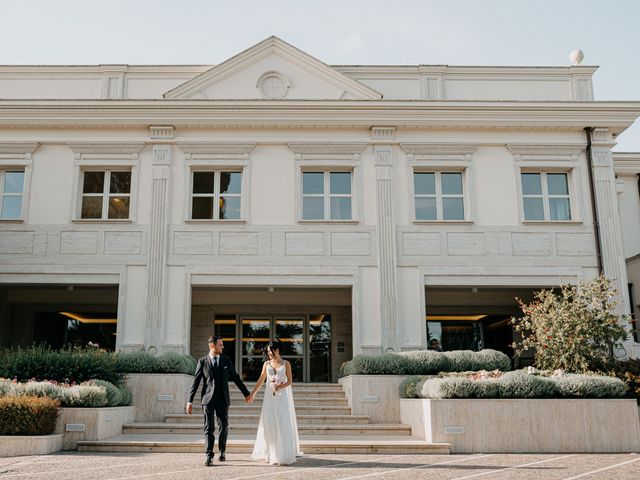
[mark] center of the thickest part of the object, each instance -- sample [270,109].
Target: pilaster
[158,233]
[387,263]
[613,260]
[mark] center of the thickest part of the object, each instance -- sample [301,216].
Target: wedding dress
[277,440]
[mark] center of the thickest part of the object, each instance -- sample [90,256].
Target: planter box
[158,394]
[16,445]
[377,396]
[76,424]
[526,425]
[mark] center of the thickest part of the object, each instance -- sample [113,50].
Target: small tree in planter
[571,329]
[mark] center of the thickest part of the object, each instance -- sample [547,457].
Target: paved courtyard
[174,466]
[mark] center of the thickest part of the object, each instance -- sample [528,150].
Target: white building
[343,209]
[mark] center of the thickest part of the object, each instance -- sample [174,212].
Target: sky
[338,32]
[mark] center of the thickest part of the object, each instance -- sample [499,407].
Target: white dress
[277,440]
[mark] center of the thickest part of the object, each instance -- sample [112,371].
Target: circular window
[273,85]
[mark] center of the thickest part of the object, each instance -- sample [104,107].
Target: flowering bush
[573,328]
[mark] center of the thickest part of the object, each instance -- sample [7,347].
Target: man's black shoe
[209,461]
[222,457]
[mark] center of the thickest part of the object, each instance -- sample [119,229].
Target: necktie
[215,362]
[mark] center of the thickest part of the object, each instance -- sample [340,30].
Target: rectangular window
[11,192]
[216,195]
[106,195]
[327,195]
[438,195]
[545,196]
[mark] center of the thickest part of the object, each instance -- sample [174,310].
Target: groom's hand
[189,408]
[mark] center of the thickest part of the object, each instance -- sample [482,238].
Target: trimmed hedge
[426,362]
[72,365]
[518,384]
[76,365]
[25,415]
[143,362]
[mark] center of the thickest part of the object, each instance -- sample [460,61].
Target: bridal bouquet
[275,382]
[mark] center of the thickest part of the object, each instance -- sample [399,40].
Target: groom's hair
[214,339]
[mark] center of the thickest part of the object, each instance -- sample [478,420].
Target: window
[216,195]
[545,196]
[326,195]
[106,195]
[438,195]
[11,192]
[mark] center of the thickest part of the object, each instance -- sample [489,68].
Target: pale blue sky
[453,32]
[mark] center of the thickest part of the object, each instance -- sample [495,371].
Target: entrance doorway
[306,343]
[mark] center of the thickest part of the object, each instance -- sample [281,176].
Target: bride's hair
[275,345]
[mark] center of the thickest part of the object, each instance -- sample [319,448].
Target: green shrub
[410,386]
[172,362]
[426,362]
[136,362]
[85,396]
[590,386]
[520,384]
[626,370]
[24,415]
[114,397]
[40,389]
[72,365]
[125,396]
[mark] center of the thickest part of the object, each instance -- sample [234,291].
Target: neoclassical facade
[342,209]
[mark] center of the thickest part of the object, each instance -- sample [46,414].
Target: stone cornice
[626,163]
[429,150]
[199,150]
[541,150]
[106,148]
[326,148]
[617,116]
[24,149]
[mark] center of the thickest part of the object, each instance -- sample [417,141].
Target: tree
[571,327]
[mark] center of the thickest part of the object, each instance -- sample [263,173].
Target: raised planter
[377,396]
[526,425]
[17,445]
[76,424]
[158,394]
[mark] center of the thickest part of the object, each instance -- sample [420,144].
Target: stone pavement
[189,466]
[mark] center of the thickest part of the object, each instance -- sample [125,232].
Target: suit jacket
[206,374]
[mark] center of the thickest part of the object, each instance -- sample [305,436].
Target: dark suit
[215,397]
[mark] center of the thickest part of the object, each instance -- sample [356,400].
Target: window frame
[326,195]
[106,194]
[3,172]
[18,156]
[560,158]
[217,171]
[439,196]
[546,205]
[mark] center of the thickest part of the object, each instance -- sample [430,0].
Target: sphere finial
[576,57]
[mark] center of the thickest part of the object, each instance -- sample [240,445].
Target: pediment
[273,69]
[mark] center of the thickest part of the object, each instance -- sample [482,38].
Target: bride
[277,439]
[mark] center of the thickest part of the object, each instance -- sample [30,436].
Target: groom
[215,370]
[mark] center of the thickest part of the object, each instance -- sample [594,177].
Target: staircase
[325,425]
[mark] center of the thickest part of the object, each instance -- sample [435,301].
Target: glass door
[255,334]
[290,332]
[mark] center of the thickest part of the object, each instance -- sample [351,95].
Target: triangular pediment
[273,69]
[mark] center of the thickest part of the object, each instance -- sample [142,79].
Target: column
[387,286]
[613,259]
[158,232]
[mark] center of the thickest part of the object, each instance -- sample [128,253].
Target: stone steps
[325,425]
[251,429]
[309,444]
[254,418]
[297,399]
